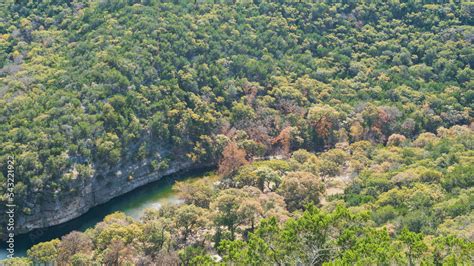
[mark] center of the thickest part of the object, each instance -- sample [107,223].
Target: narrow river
[134,204]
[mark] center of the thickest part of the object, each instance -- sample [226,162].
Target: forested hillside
[410,203]
[378,93]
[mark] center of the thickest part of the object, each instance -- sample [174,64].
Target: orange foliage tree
[232,158]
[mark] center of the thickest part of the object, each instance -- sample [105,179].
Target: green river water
[134,204]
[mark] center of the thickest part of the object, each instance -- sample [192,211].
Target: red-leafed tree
[283,140]
[232,158]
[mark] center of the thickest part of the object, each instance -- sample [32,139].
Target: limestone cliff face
[50,209]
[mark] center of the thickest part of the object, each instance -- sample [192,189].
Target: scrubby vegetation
[407,204]
[378,93]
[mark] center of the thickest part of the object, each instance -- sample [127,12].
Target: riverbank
[133,203]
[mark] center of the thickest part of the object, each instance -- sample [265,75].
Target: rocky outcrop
[48,209]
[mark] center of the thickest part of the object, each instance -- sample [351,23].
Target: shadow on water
[133,203]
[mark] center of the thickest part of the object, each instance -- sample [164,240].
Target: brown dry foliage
[233,157]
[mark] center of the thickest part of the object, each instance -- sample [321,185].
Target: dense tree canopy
[373,99]
[101,83]
[404,205]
